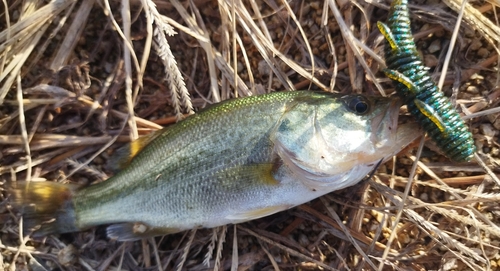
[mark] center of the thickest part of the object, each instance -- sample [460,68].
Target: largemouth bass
[236,161]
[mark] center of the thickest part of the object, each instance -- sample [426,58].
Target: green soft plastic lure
[414,85]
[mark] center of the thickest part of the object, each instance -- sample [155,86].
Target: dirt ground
[72,72]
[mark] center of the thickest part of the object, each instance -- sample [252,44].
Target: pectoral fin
[253,174]
[132,231]
[124,155]
[257,213]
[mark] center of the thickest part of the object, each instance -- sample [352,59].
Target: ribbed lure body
[414,85]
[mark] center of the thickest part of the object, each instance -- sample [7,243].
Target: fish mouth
[390,138]
[384,125]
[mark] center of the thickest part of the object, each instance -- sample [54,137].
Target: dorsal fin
[124,155]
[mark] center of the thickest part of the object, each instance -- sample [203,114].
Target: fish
[236,161]
[414,85]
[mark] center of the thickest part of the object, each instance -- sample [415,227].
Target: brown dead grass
[66,91]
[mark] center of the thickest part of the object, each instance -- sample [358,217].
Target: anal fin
[132,231]
[257,213]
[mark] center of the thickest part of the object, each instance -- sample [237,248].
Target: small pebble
[263,68]
[496,124]
[487,130]
[475,45]
[239,67]
[472,89]
[434,47]
[67,256]
[476,76]
[424,197]
[469,33]
[405,161]
[430,60]
[483,53]
[404,238]
[303,240]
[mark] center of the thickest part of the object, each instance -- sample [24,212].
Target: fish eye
[358,105]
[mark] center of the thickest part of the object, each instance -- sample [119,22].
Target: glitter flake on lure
[236,161]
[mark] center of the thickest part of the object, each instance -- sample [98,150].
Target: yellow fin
[256,173]
[266,173]
[257,213]
[124,155]
[47,207]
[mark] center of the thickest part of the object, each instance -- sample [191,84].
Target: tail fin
[47,207]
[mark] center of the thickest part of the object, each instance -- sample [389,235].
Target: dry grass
[72,72]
